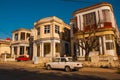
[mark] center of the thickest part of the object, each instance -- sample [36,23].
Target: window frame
[46,29]
[57,29]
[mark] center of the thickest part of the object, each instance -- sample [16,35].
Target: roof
[4,41]
[93,7]
[47,19]
[21,29]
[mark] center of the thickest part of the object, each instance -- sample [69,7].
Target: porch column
[25,52]
[13,37]
[100,42]
[34,50]
[42,49]
[12,51]
[19,34]
[18,50]
[25,36]
[104,45]
[53,48]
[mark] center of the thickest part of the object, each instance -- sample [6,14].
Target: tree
[88,40]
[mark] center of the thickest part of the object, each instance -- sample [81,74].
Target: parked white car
[63,63]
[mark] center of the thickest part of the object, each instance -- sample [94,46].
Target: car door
[55,63]
[62,63]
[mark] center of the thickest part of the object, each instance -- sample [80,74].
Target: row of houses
[52,37]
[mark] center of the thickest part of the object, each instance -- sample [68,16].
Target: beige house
[4,47]
[20,42]
[101,18]
[51,38]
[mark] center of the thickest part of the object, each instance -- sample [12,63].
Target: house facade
[20,42]
[100,18]
[51,38]
[4,47]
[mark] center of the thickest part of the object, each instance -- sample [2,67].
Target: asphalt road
[9,71]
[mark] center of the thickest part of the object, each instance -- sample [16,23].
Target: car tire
[48,67]
[67,69]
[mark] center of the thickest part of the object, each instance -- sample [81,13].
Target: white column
[53,49]
[78,21]
[34,50]
[25,50]
[13,35]
[83,51]
[18,50]
[82,25]
[104,45]
[101,18]
[100,43]
[12,51]
[19,34]
[42,49]
[25,36]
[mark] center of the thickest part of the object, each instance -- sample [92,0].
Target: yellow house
[20,42]
[51,38]
[4,47]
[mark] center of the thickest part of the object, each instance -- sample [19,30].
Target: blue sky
[15,14]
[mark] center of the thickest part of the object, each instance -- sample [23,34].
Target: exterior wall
[4,48]
[52,38]
[102,28]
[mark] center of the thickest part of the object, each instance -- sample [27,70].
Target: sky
[15,14]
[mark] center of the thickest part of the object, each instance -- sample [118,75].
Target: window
[28,35]
[108,37]
[109,45]
[38,31]
[22,36]
[63,60]
[89,19]
[16,37]
[47,29]
[56,29]
[15,50]
[21,50]
[106,15]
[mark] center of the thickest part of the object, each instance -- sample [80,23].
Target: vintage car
[22,58]
[63,63]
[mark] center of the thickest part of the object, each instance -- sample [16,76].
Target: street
[18,71]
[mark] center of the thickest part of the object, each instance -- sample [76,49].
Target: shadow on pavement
[21,74]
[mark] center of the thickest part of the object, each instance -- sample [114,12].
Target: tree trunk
[87,55]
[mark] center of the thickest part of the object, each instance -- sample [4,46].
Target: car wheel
[67,69]
[48,67]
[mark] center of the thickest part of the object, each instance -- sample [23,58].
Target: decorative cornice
[99,32]
[93,7]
